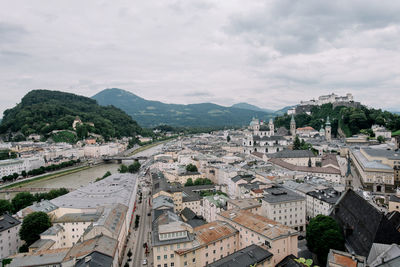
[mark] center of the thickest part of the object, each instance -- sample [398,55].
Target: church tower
[328,129]
[293,126]
[271,127]
[349,175]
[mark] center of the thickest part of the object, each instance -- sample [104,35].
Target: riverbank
[45,177]
[143,148]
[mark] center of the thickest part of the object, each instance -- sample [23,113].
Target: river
[81,178]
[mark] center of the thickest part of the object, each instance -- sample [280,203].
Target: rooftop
[370,164]
[259,224]
[213,231]
[103,244]
[328,195]
[292,154]
[244,203]
[247,256]
[115,189]
[277,194]
[7,222]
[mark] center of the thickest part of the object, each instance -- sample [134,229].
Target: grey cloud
[10,33]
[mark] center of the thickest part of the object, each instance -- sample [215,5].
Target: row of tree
[25,199]
[198,181]
[41,170]
[133,168]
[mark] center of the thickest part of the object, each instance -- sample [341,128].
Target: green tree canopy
[134,167]
[189,182]
[22,200]
[324,233]
[33,225]
[191,168]
[5,206]
[123,168]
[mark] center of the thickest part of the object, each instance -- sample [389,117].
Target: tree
[129,253]
[324,233]
[380,139]
[135,167]
[296,143]
[33,225]
[189,182]
[123,169]
[24,174]
[228,139]
[22,200]
[5,206]
[191,168]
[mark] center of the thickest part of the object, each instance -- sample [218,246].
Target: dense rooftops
[279,194]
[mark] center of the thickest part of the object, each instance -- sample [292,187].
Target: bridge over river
[119,159]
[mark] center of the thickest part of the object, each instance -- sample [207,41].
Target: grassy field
[46,177]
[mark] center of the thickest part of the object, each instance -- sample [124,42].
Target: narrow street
[140,235]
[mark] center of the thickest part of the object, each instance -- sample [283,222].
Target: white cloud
[271,53]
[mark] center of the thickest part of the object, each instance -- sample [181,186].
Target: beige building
[284,206]
[213,241]
[394,203]
[280,240]
[376,166]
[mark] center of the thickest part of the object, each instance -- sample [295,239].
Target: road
[141,235]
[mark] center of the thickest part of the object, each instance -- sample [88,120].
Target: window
[165,257]
[214,251]
[172,264]
[171,256]
[158,258]
[185,263]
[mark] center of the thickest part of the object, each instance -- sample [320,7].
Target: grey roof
[328,195]
[289,261]
[7,222]
[246,177]
[196,222]
[164,218]
[370,164]
[95,259]
[394,198]
[115,189]
[162,201]
[44,205]
[277,194]
[53,230]
[160,184]
[188,214]
[51,257]
[244,257]
[382,253]
[362,223]
[390,154]
[292,154]
[78,217]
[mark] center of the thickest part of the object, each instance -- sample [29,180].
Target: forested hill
[42,111]
[351,120]
[153,113]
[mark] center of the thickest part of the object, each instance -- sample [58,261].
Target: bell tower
[328,130]
[293,126]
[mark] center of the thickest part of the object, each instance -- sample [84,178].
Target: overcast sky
[267,53]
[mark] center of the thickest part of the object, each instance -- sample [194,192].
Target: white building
[320,202]
[284,206]
[326,99]
[381,131]
[10,166]
[213,205]
[9,237]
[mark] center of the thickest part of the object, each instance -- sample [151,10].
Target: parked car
[145,262]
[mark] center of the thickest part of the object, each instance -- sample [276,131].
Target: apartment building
[320,202]
[280,240]
[284,206]
[213,241]
[9,237]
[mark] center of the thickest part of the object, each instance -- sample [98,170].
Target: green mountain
[346,121]
[153,113]
[248,106]
[42,111]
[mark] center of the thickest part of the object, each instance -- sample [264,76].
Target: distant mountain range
[153,113]
[248,106]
